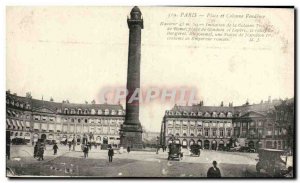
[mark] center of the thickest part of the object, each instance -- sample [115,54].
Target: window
[214,133]
[200,132]
[259,123]
[206,132]
[66,111]
[221,133]
[228,133]
[252,123]
[85,120]
[214,124]
[221,124]
[36,117]
[72,120]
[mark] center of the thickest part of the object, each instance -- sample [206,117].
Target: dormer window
[113,112]
[106,112]
[66,111]
[222,115]
[214,115]
[93,111]
[120,112]
[99,111]
[206,114]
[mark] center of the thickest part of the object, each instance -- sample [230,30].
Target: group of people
[39,150]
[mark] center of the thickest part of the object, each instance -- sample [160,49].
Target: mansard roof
[53,106]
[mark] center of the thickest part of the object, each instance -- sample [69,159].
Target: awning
[23,124]
[192,123]
[26,137]
[8,122]
[27,124]
[14,112]
[19,125]
[199,123]
[63,139]
[14,123]
[177,123]
[184,122]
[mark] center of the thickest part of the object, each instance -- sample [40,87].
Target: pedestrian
[214,171]
[70,145]
[35,151]
[110,154]
[86,151]
[55,147]
[128,149]
[90,146]
[41,152]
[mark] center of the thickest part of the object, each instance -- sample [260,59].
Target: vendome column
[131,130]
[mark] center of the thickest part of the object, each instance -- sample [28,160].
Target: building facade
[216,127]
[32,119]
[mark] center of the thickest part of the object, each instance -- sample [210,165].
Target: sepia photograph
[150,92]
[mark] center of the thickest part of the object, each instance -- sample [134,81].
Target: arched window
[79,111]
[66,111]
[184,134]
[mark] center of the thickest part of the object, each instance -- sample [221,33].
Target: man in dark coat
[55,147]
[128,149]
[70,145]
[86,151]
[110,154]
[41,152]
[214,171]
[35,151]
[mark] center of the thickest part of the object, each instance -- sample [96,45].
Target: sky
[75,52]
